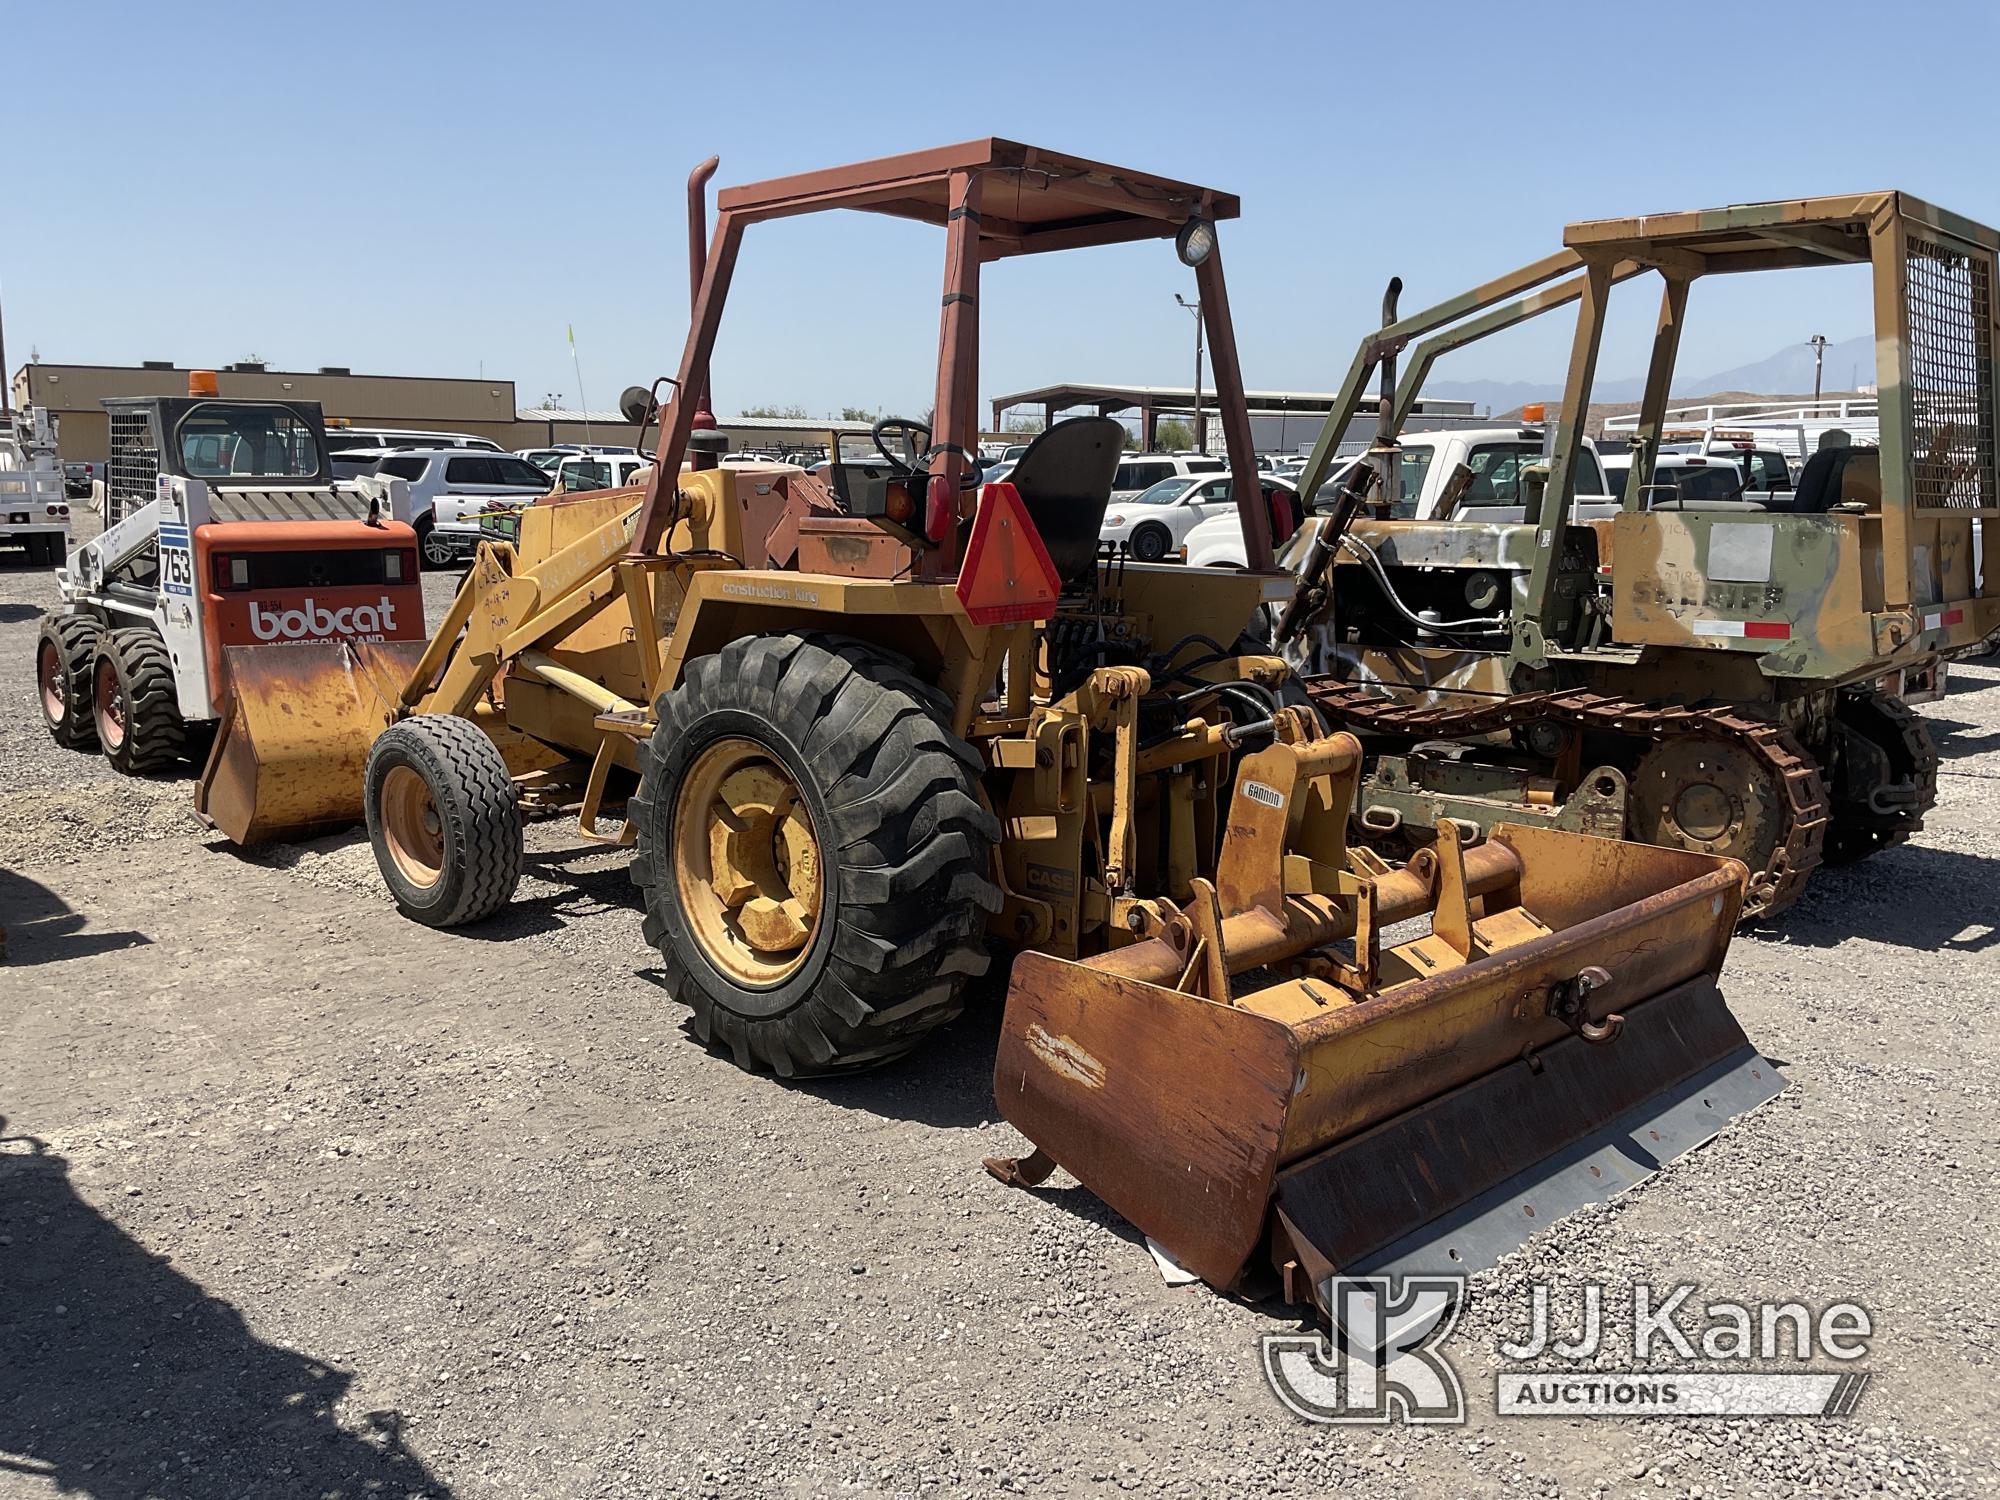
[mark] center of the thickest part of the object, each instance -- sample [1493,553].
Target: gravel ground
[300,1198]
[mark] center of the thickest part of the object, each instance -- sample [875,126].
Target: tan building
[481,408]
[478,408]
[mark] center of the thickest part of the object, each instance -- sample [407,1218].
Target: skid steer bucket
[295,735]
[1422,1106]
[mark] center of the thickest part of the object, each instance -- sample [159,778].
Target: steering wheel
[904,427]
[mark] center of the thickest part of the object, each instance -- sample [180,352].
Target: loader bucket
[1555,1038]
[295,735]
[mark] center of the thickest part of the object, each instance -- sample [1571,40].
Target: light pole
[1818,342]
[549,404]
[1200,421]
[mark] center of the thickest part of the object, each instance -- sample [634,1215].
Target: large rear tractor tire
[443,819]
[64,656]
[813,853]
[136,710]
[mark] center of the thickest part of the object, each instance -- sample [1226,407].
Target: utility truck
[34,506]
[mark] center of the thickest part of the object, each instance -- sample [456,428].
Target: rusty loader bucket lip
[296,730]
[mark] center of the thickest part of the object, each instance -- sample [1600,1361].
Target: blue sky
[432,190]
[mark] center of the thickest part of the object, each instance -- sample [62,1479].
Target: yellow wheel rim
[747,863]
[412,827]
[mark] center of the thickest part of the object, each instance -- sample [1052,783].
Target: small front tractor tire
[443,819]
[64,656]
[815,859]
[135,706]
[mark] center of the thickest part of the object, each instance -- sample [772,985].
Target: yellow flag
[572,338]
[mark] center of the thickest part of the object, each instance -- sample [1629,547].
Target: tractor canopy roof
[1787,233]
[1033,199]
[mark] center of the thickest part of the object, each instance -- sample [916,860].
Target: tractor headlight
[1196,241]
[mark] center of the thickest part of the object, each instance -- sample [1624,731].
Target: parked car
[78,477]
[341,438]
[1766,470]
[1141,471]
[1218,541]
[1153,523]
[1696,478]
[596,470]
[450,489]
[352,451]
[548,458]
[1502,460]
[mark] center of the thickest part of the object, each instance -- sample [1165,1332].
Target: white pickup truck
[1495,455]
[34,506]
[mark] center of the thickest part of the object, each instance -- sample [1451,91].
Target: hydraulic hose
[1366,554]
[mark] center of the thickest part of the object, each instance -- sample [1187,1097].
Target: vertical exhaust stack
[697,202]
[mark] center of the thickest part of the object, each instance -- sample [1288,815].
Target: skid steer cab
[866,734]
[224,529]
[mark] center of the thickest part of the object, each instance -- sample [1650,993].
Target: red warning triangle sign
[1007,575]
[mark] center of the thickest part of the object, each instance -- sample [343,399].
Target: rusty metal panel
[295,736]
[1456,1183]
[1364,1063]
[848,548]
[1179,1111]
[1167,1106]
[1802,597]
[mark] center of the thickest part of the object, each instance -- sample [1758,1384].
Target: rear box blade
[1437,1123]
[1453,1185]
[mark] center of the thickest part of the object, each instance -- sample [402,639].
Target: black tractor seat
[1064,480]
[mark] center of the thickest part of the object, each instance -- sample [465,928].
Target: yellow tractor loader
[869,730]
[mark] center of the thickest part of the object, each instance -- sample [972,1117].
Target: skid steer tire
[443,819]
[135,708]
[770,751]
[64,655]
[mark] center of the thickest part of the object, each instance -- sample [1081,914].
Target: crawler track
[1803,809]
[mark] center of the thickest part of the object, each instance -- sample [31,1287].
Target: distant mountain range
[1789,372]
